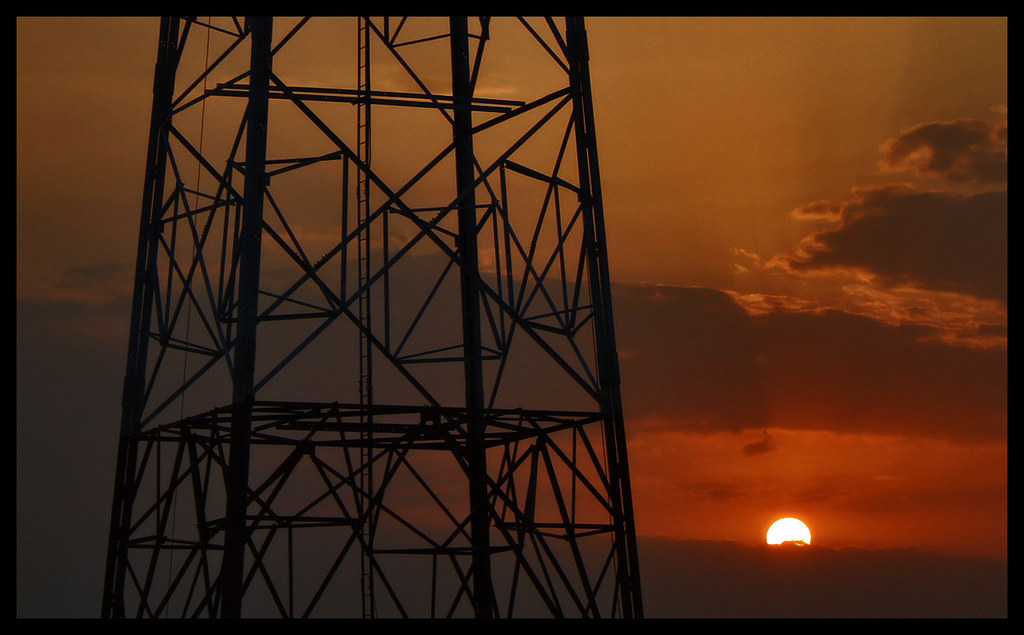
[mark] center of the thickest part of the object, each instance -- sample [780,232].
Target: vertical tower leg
[611,400]
[462,92]
[237,473]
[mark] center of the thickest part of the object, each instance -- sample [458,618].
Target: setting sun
[788,530]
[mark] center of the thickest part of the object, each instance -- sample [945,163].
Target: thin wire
[188,311]
[202,132]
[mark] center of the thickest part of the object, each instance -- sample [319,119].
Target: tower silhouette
[372,367]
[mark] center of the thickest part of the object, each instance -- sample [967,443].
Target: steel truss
[462,270]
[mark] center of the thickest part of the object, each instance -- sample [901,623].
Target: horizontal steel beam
[376,97]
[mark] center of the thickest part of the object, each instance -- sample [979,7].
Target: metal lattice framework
[371,369]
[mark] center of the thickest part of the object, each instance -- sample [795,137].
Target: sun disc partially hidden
[789,530]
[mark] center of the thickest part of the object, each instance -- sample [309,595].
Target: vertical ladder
[365,354]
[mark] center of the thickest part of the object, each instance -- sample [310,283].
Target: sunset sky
[807,223]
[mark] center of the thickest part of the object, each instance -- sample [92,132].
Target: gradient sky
[807,223]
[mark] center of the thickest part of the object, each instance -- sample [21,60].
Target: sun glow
[788,531]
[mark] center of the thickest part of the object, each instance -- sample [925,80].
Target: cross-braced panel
[432,341]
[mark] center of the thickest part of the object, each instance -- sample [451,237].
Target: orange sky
[807,232]
[743,146]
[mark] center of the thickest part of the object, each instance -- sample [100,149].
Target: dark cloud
[705,579]
[941,241]
[689,355]
[722,494]
[847,372]
[961,150]
[694,358]
[763,446]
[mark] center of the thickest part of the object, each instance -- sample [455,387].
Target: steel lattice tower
[372,368]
